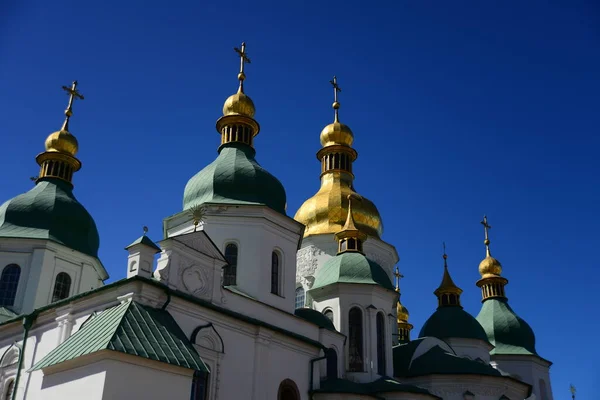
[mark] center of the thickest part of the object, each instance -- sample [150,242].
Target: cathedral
[238,299]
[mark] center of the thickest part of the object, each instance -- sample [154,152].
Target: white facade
[40,262]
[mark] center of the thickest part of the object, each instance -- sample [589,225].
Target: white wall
[87,381]
[530,369]
[452,387]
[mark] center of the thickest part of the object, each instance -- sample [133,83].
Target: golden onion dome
[327,210]
[62,142]
[402,312]
[239,104]
[336,133]
[490,267]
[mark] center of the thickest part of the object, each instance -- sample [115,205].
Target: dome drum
[57,165]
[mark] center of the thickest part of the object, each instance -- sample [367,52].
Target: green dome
[452,322]
[235,178]
[350,267]
[505,329]
[315,317]
[50,211]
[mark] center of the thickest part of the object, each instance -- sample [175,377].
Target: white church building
[239,300]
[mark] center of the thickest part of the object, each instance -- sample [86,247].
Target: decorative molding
[194,280]
[307,262]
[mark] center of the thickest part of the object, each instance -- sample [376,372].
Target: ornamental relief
[194,279]
[307,261]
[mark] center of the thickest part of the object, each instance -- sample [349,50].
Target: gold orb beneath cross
[62,142]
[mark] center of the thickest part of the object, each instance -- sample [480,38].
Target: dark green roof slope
[382,385]
[130,328]
[453,322]
[351,267]
[145,240]
[505,329]
[235,177]
[50,211]
[315,317]
[435,361]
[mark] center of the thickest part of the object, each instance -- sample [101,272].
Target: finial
[197,214]
[445,256]
[145,229]
[486,228]
[398,276]
[573,390]
[243,60]
[73,94]
[336,104]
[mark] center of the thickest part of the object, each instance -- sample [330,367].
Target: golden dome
[490,267]
[336,133]
[402,312]
[62,142]
[327,210]
[239,104]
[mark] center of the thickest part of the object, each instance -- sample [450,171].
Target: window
[380,344]
[288,391]
[199,385]
[9,281]
[275,272]
[355,348]
[300,297]
[62,287]
[543,393]
[332,363]
[329,315]
[231,255]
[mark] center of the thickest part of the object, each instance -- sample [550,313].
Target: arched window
[288,390]
[300,297]
[230,273]
[199,385]
[62,287]
[355,347]
[332,363]
[9,281]
[329,315]
[275,274]
[543,393]
[380,344]
[9,390]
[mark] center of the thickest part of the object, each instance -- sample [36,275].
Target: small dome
[62,142]
[453,322]
[50,211]
[235,177]
[402,312]
[351,268]
[315,317]
[336,133]
[239,104]
[490,267]
[505,329]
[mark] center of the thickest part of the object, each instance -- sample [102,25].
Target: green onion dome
[235,177]
[351,267]
[453,322]
[50,211]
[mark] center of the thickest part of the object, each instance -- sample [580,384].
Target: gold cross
[73,94]
[398,276]
[486,228]
[243,60]
[445,256]
[336,89]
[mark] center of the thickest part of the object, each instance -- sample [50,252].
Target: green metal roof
[315,317]
[435,361]
[350,267]
[129,328]
[381,385]
[509,333]
[145,240]
[453,322]
[50,211]
[235,177]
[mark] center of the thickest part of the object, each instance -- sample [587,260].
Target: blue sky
[458,109]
